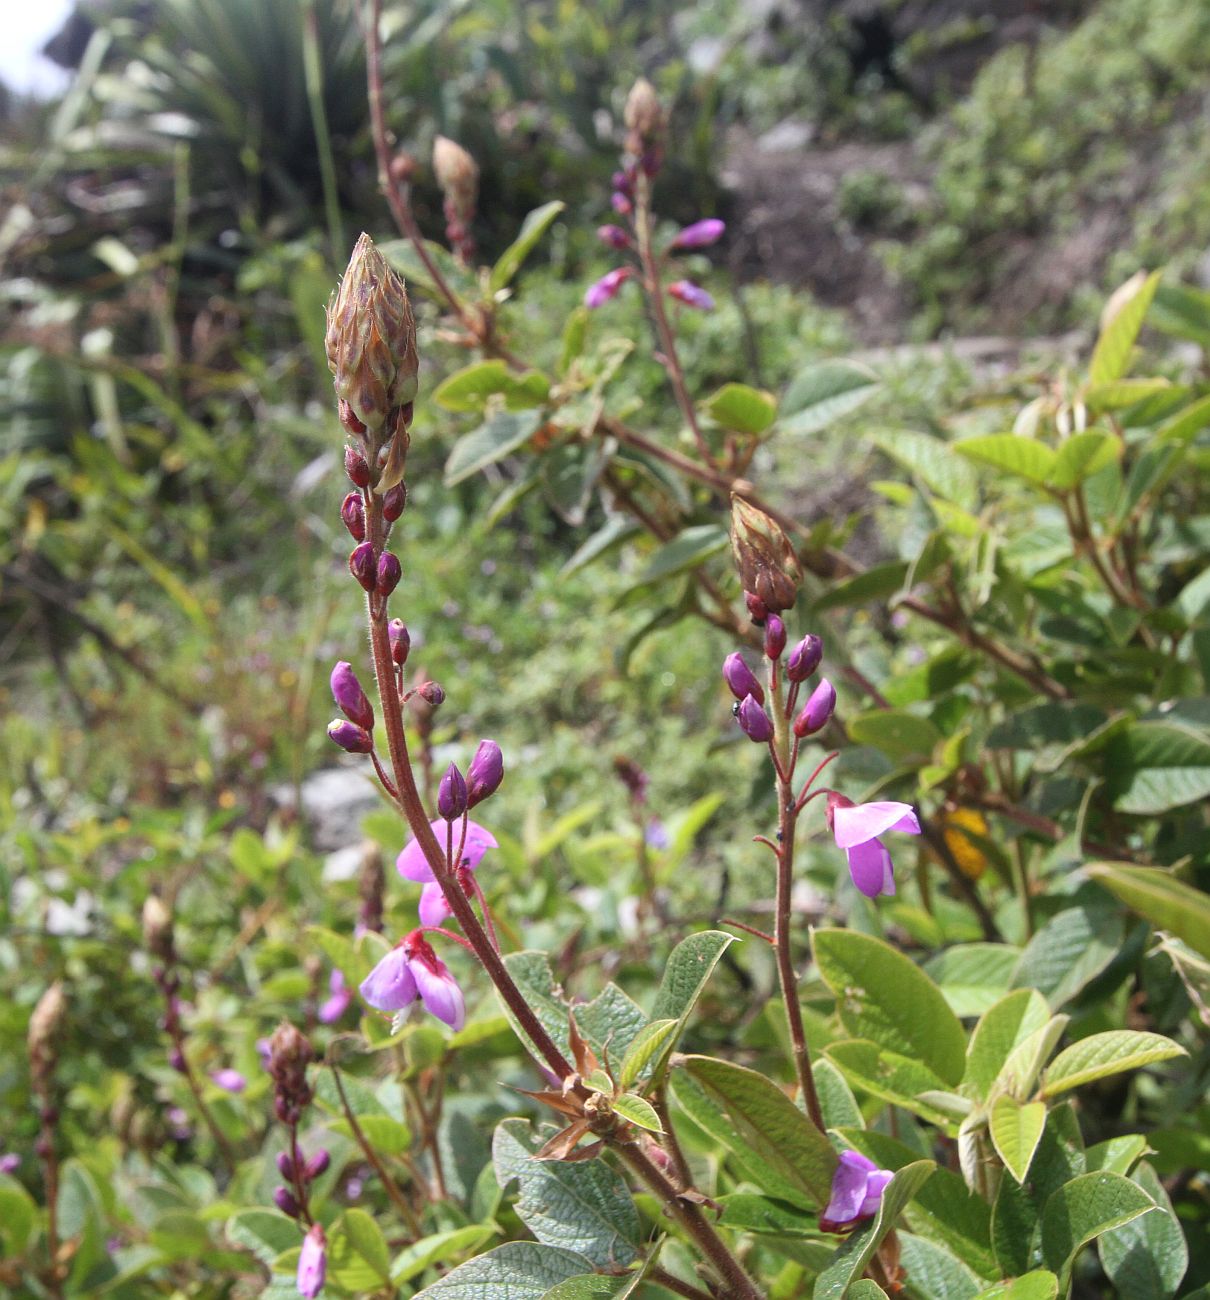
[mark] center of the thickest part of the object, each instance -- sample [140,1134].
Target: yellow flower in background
[971,859]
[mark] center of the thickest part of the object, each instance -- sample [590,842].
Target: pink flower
[607,286]
[614,236]
[701,234]
[413,970]
[338,1003]
[857,1187]
[312,1263]
[413,865]
[229,1080]
[692,295]
[857,828]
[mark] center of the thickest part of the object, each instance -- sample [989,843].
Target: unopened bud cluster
[290,1053]
[458,176]
[299,1174]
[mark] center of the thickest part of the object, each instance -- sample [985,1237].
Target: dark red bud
[285,1202]
[389,573]
[353,515]
[775,637]
[356,465]
[362,566]
[401,641]
[393,502]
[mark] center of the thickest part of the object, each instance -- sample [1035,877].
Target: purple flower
[701,234]
[607,286]
[754,721]
[741,680]
[656,834]
[485,773]
[413,970]
[857,1187]
[818,709]
[614,236]
[285,1201]
[620,203]
[349,736]
[692,295]
[229,1080]
[451,794]
[806,656]
[433,908]
[338,1001]
[312,1263]
[350,698]
[10,1162]
[413,865]
[857,828]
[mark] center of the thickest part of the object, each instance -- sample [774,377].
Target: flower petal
[873,1192]
[848,1187]
[390,985]
[433,907]
[870,867]
[866,821]
[440,994]
[413,865]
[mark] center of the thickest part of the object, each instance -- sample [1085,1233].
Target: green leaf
[822,394]
[901,1080]
[1017,1212]
[1119,1155]
[367,1240]
[535,225]
[1068,951]
[1169,904]
[1038,1285]
[648,1045]
[385,1134]
[1016,1129]
[1002,1028]
[1182,428]
[884,996]
[850,1261]
[764,1119]
[901,735]
[264,1232]
[836,1100]
[612,533]
[1101,1055]
[1013,453]
[518,1270]
[1081,1210]
[744,409]
[689,967]
[686,551]
[876,583]
[1157,766]
[502,434]
[933,1271]
[1146,1258]
[414,1259]
[933,462]
[18,1216]
[1082,455]
[582,1206]
[638,1111]
[469,388]
[973,976]
[593,1286]
[1026,1060]
[865,1288]
[1111,356]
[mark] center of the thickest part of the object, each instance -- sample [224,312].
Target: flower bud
[283,1198]
[432,694]
[764,557]
[356,467]
[44,1025]
[350,737]
[361,565]
[176,1059]
[692,295]
[451,794]
[754,721]
[740,679]
[817,710]
[285,1165]
[701,234]
[757,611]
[312,1263]
[607,286]
[389,573]
[393,502]
[401,640]
[613,236]
[457,175]
[485,773]
[317,1165]
[402,168]
[350,698]
[353,515]
[775,637]
[804,658]
[621,204]
[371,338]
[644,118]
[157,929]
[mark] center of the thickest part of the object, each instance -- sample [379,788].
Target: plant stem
[739,1286]
[655,296]
[671,1144]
